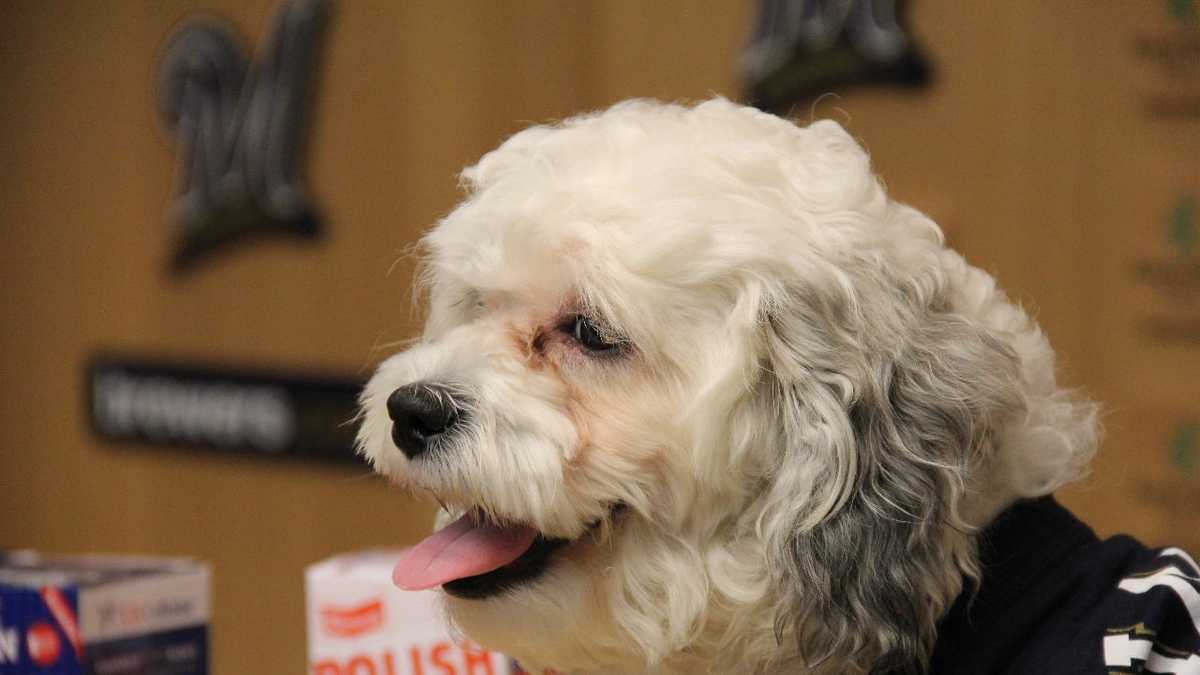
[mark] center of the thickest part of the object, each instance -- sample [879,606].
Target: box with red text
[360,624]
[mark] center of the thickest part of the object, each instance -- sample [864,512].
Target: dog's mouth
[475,558]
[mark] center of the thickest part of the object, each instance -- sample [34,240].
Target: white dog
[705,400]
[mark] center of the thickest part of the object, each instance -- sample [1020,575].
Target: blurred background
[1057,143]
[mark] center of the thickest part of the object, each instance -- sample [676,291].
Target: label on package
[102,615]
[361,624]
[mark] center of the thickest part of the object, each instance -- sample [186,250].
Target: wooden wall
[1033,147]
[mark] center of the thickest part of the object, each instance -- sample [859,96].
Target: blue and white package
[103,615]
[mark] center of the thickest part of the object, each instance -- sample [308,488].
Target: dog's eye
[586,334]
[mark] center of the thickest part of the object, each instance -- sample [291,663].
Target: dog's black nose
[420,413]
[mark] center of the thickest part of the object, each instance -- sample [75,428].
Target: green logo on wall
[1185,446]
[1184,11]
[1183,229]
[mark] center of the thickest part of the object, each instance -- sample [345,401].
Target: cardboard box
[360,624]
[103,615]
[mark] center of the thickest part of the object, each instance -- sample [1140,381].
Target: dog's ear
[885,410]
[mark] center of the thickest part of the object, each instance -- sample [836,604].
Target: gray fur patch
[869,581]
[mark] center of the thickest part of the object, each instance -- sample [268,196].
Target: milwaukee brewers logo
[239,128]
[803,48]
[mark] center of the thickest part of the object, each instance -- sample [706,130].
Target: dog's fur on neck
[818,406]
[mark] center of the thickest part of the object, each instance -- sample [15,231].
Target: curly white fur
[814,407]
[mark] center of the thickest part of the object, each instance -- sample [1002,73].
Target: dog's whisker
[437,498]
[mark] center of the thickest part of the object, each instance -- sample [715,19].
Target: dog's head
[699,390]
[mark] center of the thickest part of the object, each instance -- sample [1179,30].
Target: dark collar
[1022,554]
[1022,543]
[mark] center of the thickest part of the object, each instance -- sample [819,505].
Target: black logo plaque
[236,411]
[239,126]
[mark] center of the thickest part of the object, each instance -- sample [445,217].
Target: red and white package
[359,623]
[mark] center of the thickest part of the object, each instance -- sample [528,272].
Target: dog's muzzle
[422,413]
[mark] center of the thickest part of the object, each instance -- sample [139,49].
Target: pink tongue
[461,549]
